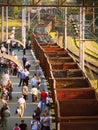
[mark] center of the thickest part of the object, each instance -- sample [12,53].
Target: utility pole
[65,42]
[38,9]
[82,36]
[24,25]
[29,18]
[93,19]
[6,23]
[2,24]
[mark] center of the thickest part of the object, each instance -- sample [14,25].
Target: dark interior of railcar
[57,54]
[79,125]
[60,59]
[78,93]
[68,73]
[64,66]
[74,82]
[78,107]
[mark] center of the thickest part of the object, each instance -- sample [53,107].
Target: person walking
[37,62]
[45,121]
[22,77]
[34,92]
[25,91]
[15,68]
[35,124]
[15,56]
[27,73]
[34,81]
[24,59]
[23,125]
[5,113]
[5,77]
[16,127]
[37,113]
[21,105]
[43,96]
[27,65]
[9,88]
[48,104]
[3,49]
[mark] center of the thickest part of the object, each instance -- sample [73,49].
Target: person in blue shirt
[22,77]
[34,81]
[24,59]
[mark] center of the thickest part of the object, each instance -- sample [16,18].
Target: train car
[74,99]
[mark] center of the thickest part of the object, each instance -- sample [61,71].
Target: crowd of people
[40,117]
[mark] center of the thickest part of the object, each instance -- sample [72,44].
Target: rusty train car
[75,100]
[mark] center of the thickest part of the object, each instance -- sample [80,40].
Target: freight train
[75,100]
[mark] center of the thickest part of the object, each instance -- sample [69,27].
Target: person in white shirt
[5,77]
[3,49]
[35,124]
[45,121]
[27,65]
[21,105]
[34,92]
[27,73]
[15,56]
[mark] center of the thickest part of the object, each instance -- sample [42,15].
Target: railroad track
[93,67]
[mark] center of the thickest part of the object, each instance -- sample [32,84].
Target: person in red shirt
[14,69]
[16,127]
[43,96]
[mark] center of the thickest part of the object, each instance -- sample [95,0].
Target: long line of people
[40,117]
[38,94]
[6,89]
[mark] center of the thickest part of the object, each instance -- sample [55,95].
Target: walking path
[14,118]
